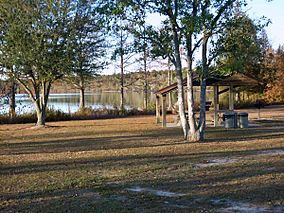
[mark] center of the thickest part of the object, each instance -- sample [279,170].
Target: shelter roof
[236,80]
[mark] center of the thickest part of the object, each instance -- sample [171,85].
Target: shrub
[56,115]
[23,118]
[274,92]
[82,114]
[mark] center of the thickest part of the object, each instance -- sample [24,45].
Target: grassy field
[134,165]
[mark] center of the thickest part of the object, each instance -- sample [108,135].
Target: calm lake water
[69,102]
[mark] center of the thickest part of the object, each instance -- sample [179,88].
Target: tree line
[43,41]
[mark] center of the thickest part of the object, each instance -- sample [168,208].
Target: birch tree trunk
[178,66]
[202,116]
[193,134]
[180,88]
[181,106]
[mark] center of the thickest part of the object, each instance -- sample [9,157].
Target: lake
[69,102]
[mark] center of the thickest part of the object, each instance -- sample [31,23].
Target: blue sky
[273,10]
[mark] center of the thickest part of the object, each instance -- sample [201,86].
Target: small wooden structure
[231,82]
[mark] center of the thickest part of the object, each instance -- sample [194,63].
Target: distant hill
[133,81]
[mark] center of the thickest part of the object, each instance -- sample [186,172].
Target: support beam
[164,111]
[216,105]
[158,108]
[225,90]
[231,98]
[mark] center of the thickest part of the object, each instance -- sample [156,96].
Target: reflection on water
[69,102]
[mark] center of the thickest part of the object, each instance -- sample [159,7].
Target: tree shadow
[125,140]
[169,171]
[146,139]
[234,135]
[128,161]
[201,191]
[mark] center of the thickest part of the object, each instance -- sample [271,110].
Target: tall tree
[87,46]
[214,16]
[190,25]
[187,20]
[34,46]
[123,54]
[240,46]
[123,47]
[191,19]
[141,44]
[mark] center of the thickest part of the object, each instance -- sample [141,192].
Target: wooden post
[164,111]
[216,105]
[231,98]
[158,112]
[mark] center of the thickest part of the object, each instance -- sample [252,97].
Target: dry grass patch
[91,165]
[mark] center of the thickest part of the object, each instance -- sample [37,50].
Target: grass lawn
[134,165]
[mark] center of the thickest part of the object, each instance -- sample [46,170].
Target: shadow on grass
[146,139]
[250,179]
[200,190]
[66,200]
[160,137]
[232,135]
[100,163]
